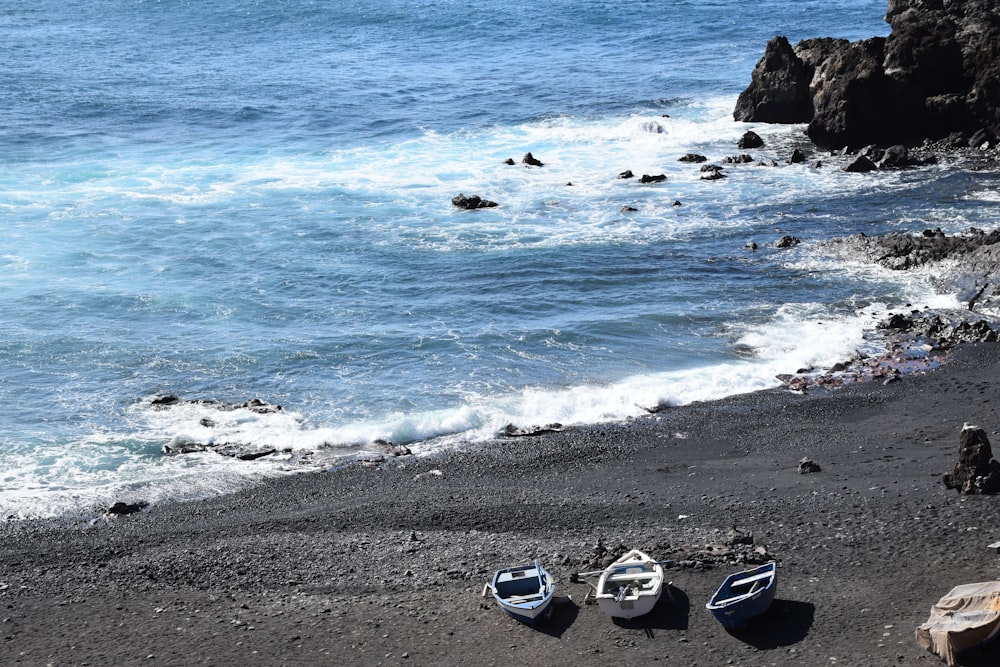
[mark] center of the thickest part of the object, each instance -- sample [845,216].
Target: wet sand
[386,564]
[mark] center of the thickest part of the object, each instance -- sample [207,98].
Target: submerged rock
[472,202]
[531,160]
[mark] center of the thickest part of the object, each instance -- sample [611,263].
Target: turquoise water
[231,200]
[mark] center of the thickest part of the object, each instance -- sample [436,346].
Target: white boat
[523,592]
[630,586]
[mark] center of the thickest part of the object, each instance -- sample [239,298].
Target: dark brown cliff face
[936,75]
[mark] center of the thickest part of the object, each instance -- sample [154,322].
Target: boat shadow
[987,655]
[671,612]
[562,614]
[785,623]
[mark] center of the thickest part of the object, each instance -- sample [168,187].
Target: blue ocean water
[228,200]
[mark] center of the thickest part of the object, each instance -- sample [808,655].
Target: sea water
[223,200]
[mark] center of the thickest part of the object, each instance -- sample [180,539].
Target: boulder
[472,202]
[861,165]
[531,160]
[977,472]
[750,139]
[656,178]
[807,465]
[121,509]
[692,157]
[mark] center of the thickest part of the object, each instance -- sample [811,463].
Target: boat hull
[744,596]
[631,586]
[627,608]
[524,593]
[967,617]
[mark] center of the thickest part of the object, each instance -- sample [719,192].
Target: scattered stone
[657,178]
[180,446]
[798,157]
[743,158]
[629,209]
[787,242]
[243,452]
[121,509]
[509,161]
[807,465]
[737,536]
[626,174]
[692,157]
[512,431]
[677,202]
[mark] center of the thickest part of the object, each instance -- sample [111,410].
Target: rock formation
[935,77]
[964,264]
[977,471]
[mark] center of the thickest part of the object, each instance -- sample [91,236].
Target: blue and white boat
[524,592]
[744,596]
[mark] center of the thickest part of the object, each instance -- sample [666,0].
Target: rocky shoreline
[385,565]
[847,484]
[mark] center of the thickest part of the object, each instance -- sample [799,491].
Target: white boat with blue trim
[524,592]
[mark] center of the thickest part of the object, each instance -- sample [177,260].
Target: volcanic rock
[977,472]
[750,139]
[532,161]
[936,75]
[471,202]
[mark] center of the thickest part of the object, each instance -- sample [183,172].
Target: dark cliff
[935,77]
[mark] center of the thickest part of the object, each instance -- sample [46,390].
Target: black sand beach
[386,564]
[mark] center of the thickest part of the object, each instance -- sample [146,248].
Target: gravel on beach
[386,564]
